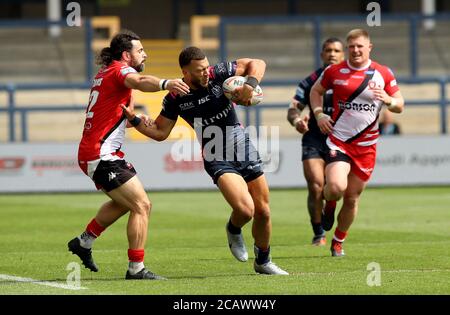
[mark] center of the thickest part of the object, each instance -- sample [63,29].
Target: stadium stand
[32,57]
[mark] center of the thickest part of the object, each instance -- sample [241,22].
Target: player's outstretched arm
[149,83]
[159,130]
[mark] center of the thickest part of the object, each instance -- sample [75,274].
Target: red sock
[136,255]
[339,235]
[94,228]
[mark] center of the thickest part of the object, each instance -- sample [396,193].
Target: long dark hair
[120,43]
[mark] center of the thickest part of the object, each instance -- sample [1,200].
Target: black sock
[263,256]
[317,228]
[233,229]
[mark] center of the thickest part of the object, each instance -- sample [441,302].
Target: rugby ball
[230,84]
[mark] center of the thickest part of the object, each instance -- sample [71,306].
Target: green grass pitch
[404,230]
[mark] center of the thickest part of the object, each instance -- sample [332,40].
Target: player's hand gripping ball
[230,84]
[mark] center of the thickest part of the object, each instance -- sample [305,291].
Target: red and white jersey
[104,127]
[355,108]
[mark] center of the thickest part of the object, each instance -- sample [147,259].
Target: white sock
[86,240]
[135,267]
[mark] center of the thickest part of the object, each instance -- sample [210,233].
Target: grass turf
[405,230]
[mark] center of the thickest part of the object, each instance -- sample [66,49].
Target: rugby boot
[85,254]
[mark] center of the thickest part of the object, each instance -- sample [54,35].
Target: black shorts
[239,156]
[314,146]
[314,152]
[337,156]
[249,170]
[112,174]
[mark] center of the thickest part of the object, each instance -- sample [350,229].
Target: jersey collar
[361,68]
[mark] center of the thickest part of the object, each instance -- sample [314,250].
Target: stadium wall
[402,160]
[161,19]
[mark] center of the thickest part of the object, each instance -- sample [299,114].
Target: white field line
[46,283]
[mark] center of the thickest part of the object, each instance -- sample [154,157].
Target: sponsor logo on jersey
[369,72]
[203,100]
[213,119]
[127,70]
[164,103]
[356,106]
[372,84]
[186,106]
[344,70]
[221,68]
[393,82]
[340,82]
[357,76]
[97,82]
[300,92]
[216,90]
[230,68]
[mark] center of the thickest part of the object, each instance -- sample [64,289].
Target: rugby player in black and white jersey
[229,156]
[314,147]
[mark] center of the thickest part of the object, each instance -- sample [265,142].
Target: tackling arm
[149,83]
[159,130]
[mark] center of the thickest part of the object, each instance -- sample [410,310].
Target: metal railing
[12,109]
[317,21]
[252,115]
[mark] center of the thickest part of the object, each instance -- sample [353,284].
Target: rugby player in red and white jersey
[360,88]
[100,156]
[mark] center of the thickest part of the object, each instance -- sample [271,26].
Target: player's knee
[335,190]
[262,212]
[246,211]
[316,189]
[143,207]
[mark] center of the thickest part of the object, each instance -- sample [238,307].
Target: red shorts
[362,158]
